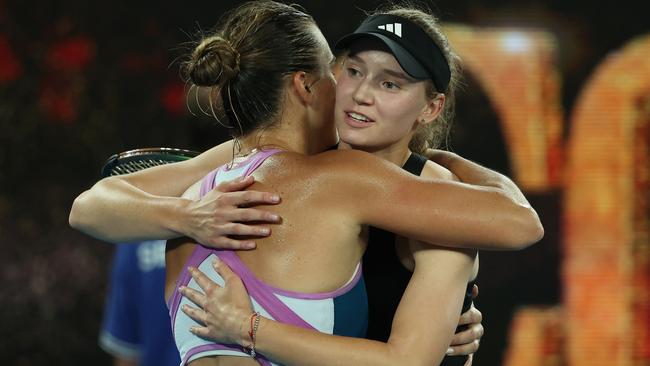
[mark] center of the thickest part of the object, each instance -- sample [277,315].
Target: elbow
[518,224]
[534,230]
[75,219]
[527,230]
[83,215]
[538,230]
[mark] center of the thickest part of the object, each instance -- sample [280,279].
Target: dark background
[80,80]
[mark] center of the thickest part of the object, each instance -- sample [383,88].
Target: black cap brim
[410,65]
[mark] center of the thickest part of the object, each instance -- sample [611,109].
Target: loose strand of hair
[214,115]
[187,96]
[198,102]
[232,108]
[236,149]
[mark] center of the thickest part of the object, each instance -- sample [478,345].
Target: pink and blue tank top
[342,312]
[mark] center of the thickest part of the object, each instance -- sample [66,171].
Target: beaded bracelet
[252,333]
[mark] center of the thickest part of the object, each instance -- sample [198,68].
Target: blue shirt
[136,321]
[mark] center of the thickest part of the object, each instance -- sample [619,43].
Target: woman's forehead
[381,62]
[373,51]
[368,44]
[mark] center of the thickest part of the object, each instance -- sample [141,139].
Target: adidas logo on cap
[395,28]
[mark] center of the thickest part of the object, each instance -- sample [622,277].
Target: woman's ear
[300,83]
[432,109]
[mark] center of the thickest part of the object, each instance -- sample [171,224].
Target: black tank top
[386,278]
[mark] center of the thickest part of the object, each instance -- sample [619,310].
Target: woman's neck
[396,153]
[284,135]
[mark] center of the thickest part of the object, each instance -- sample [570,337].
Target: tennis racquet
[135,160]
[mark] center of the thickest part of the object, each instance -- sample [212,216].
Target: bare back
[315,248]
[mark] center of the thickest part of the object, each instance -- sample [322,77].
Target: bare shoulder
[360,161]
[325,166]
[342,177]
[434,170]
[352,161]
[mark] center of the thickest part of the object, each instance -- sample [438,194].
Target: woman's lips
[357,120]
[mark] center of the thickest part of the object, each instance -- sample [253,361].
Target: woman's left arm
[419,335]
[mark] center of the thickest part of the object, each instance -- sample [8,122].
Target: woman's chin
[355,143]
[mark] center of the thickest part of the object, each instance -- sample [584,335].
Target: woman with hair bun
[268,68]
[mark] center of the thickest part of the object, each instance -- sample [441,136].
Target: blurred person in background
[136,329]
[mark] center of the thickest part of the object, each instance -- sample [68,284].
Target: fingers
[465,349]
[203,332]
[470,358]
[473,333]
[247,198]
[197,315]
[223,242]
[467,341]
[229,213]
[200,317]
[251,214]
[207,285]
[237,184]
[471,316]
[193,295]
[245,230]
[232,227]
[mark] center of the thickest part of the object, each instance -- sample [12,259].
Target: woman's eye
[390,85]
[352,71]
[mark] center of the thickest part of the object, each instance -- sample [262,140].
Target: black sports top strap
[415,163]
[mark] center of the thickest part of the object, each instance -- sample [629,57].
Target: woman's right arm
[487,213]
[470,172]
[147,205]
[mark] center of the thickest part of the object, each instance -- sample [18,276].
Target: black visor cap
[415,51]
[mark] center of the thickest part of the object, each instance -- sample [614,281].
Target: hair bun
[214,62]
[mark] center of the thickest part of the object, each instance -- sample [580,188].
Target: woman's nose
[362,94]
